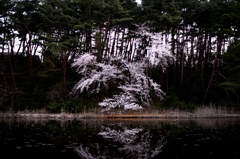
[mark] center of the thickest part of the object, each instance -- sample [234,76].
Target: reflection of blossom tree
[83,152]
[125,136]
[133,142]
[142,148]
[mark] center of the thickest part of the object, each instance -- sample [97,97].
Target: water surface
[115,139]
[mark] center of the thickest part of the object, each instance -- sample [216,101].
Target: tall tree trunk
[122,42]
[99,43]
[31,76]
[90,45]
[106,40]
[114,41]
[202,51]
[182,57]
[130,52]
[190,57]
[64,65]
[126,48]
[208,52]
[215,67]
[173,47]
[14,86]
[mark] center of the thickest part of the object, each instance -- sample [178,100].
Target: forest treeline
[39,40]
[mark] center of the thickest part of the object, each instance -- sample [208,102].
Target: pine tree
[230,73]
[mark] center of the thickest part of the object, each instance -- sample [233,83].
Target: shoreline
[68,116]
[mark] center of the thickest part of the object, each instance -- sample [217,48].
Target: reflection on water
[129,142]
[103,139]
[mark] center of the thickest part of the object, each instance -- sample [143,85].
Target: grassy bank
[200,112]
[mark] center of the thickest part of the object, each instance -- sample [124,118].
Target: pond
[115,139]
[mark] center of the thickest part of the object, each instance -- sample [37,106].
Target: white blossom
[124,100]
[126,73]
[158,50]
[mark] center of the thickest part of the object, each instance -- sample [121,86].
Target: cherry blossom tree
[129,75]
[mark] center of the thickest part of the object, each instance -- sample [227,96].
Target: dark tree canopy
[39,40]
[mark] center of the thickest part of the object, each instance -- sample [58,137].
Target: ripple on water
[29,146]
[75,144]
[68,147]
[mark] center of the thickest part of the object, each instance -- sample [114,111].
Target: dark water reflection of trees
[102,139]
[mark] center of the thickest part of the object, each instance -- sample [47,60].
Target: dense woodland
[41,39]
